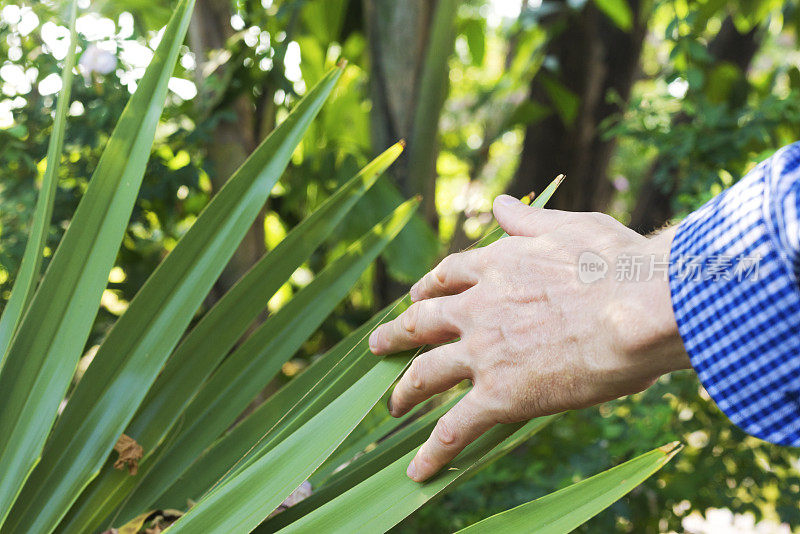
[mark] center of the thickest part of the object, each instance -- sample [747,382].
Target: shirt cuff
[737,304]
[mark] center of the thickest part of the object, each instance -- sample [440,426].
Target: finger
[454,274]
[459,427]
[430,373]
[423,323]
[518,219]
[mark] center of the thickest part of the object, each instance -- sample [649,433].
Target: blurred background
[649,107]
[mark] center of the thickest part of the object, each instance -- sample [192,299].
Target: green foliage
[695,142]
[25,281]
[49,340]
[570,507]
[618,11]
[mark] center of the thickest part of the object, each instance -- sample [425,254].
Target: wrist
[646,330]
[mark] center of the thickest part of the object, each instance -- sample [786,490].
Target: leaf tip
[671,449]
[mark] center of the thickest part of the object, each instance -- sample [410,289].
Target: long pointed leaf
[52,334]
[28,274]
[241,503]
[389,496]
[398,445]
[207,344]
[566,509]
[245,372]
[140,342]
[375,427]
[292,406]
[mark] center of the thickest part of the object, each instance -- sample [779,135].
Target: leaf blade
[48,341]
[282,413]
[247,502]
[392,496]
[568,508]
[25,283]
[205,346]
[136,347]
[245,372]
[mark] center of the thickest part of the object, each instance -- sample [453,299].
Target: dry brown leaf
[130,453]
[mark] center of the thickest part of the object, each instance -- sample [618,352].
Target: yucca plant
[162,402]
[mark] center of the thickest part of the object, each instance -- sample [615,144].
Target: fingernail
[412,470]
[413,292]
[506,200]
[373,341]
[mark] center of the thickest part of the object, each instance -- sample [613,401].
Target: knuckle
[449,313]
[440,272]
[498,410]
[491,386]
[408,320]
[484,259]
[494,401]
[600,218]
[416,374]
[445,433]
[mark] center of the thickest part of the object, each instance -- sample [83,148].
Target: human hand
[531,336]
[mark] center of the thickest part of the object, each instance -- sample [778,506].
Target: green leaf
[375,426]
[564,510]
[412,253]
[207,344]
[49,340]
[241,502]
[528,112]
[28,274]
[140,342]
[388,496]
[399,444]
[291,407]
[245,372]
[566,101]
[618,11]
[474,30]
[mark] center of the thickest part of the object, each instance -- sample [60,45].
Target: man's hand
[527,331]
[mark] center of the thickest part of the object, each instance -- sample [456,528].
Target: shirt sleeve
[734,278]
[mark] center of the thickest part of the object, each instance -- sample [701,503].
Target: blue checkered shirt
[735,283]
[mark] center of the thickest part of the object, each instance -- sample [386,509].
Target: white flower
[95,59]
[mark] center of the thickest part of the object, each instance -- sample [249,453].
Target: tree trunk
[593,59]
[233,138]
[653,207]
[398,35]
[409,43]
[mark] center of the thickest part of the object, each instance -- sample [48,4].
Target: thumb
[519,219]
